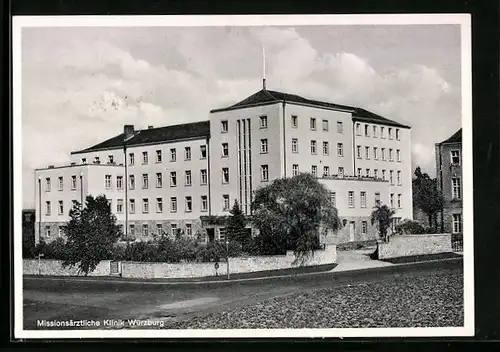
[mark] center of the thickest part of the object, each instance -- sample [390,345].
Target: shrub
[410,227]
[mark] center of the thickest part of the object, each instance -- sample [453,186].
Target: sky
[80,85]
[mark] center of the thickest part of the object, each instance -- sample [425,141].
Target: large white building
[185,176]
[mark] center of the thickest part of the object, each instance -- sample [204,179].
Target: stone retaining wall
[410,245]
[54,268]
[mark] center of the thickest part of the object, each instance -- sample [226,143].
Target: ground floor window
[457,223]
[222,234]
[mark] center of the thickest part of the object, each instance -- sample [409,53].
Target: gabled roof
[264,97]
[155,135]
[455,138]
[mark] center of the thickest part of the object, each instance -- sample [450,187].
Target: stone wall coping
[424,235]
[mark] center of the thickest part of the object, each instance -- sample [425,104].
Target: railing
[457,242]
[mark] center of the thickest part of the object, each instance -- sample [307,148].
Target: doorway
[211,234]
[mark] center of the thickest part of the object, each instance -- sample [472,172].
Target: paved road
[99,300]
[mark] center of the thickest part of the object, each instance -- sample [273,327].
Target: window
[47,231]
[390,133]
[263,121]
[145,205]
[222,234]
[131,182]
[375,173]
[132,206]
[173,179]
[158,156]
[398,155]
[383,154]
[225,175]
[188,178]
[364,227]
[295,169]
[132,229]
[203,152]
[60,230]
[391,173]
[97,160]
[383,175]
[341,171]
[131,159]
[312,124]
[340,149]
[189,230]
[145,158]
[203,177]
[84,161]
[377,198]
[326,148]
[225,150]
[359,172]
[325,125]
[145,230]
[119,206]
[107,181]
[455,188]
[358,151]
[314,170]
[223,126]
[457,223]
[399,201]
[367,172]
[392,200]
[455,157]
[119,182]
[173,229]
[397,134]
[363,199]
[294,121]
[47,184]
[358,129]
[73,182]
[295,148]
[61,207]
[391,157]
[173,155]
[159,229]
[74,203]
[313,147]
[61,183]
[375,153]
[264,173]
[187,153]
[333,199]
[367,133]
[351,199]
[326,171]
[159,180]
[399,178]
[173,204]
[374,133]
[382,132]
[189,204]
[110,159]
[367,152]
[340,127]
[263,146]
[145,181]
[225,202]
[204,203]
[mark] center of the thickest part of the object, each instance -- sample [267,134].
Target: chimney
[150,127]
[128,131]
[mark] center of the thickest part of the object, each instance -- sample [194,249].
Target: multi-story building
[449,179]
[179,174]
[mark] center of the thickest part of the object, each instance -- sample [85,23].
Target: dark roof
[265,96]
[155,135]
[456,138]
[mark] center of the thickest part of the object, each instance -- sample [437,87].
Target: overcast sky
[81,85]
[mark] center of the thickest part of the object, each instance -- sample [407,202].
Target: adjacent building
[170,178]
[449,178]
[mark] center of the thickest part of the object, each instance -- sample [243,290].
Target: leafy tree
[236,230]
[292,210]
[427,196]
[91,234]
[410,227]
[381,216]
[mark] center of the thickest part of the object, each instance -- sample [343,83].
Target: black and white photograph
[243,176]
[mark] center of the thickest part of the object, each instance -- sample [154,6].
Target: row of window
[382,176]
[60,183]
[188,180]
[375,153]
[314,147]
[374,131]
[362,196]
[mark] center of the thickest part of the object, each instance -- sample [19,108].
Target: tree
[236,229]
[427,196]
[292,210]
[91,234]
[381,216]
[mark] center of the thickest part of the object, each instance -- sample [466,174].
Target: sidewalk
[357,260]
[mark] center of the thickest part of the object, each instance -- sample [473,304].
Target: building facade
[167,178]
[449,178]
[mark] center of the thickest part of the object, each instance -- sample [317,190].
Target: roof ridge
[272,96]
